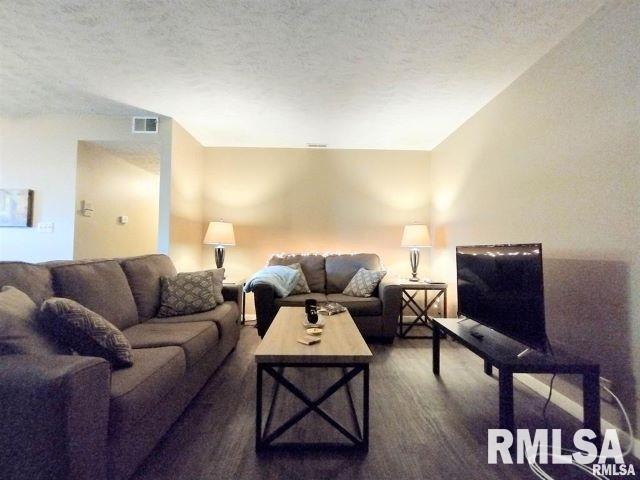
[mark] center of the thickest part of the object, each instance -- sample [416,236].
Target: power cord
[546,404]
[553,377]
[539,471]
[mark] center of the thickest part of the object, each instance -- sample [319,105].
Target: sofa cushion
[195,338]
[298,300]
[19,331]
[186,293]
[100,286]
[34,280]
[224,316]
[140,389]
[342,268]
[358,306]
[85,331]
[227,318]
[143,274]
[312,267]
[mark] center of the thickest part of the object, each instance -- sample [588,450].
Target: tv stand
[498,350]
[477,335]
[524,352]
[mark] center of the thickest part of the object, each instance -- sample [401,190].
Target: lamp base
[219,255]
[414,258]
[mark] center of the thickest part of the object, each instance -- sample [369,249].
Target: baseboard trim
[573,408]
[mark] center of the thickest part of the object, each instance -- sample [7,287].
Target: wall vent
[317,145]
[145,124]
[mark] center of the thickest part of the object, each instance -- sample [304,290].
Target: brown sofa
[327,276]
[72,417]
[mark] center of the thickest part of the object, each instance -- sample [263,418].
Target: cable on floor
[543,475]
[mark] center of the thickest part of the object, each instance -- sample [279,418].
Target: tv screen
[501,286]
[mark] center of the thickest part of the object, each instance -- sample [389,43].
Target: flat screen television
[501,287]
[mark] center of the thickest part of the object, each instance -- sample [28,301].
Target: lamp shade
[220,233]
[416,236]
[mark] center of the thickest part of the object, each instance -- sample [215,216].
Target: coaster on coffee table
[319,324]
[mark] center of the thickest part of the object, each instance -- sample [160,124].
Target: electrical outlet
[604,395]
[45,227]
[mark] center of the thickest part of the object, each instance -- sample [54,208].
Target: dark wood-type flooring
[421,426]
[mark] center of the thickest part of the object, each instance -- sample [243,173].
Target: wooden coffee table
[342,347]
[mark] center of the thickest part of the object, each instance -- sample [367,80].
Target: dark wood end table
[505,354]
[410,291]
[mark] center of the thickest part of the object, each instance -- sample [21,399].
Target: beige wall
[40,152]
[555,159]
[186,200]
[307,200]
[115,187]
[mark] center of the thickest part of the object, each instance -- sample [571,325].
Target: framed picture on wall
[16,207]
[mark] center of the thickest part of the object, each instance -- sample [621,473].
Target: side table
[410,291]
[240,284]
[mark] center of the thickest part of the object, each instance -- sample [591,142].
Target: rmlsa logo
[612,469]
[543,448]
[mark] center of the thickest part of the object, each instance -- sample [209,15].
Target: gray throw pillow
[85,331]
[364,282]
[186,293]
[20,333]
[217,277]
[301,286]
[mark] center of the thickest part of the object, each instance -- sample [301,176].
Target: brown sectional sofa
[72,417]
[327,276]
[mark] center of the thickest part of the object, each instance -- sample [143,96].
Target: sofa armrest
[232,293]
[391,296]
[264,297]
[54,413]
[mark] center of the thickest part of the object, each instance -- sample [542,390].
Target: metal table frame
[266,434]
[243,305]
[421,311]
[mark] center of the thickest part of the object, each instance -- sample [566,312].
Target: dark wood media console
[501,352]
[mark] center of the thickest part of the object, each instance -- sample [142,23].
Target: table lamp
[415,236]
[219,234]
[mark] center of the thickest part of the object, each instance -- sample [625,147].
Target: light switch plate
[87,209]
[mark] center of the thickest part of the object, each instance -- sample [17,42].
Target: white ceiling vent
[145,124]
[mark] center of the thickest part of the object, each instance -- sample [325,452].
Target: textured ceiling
[353,74]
